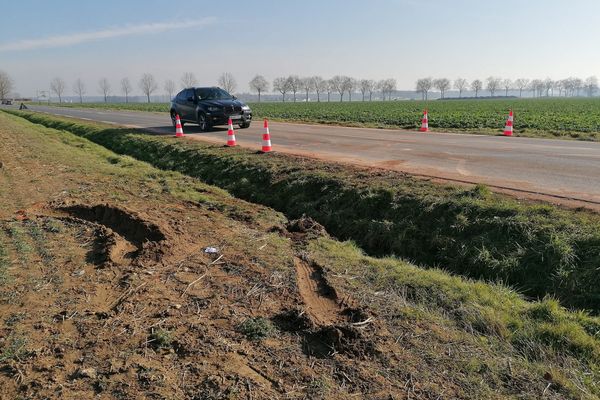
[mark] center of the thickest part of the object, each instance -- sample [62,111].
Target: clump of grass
[19,240]
[14,349]
[161,338]
[257,328]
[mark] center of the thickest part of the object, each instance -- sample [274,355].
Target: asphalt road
[558,168]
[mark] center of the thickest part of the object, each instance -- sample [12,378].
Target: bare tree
[476,86]
[507,85]
[367,86]
[591,85]
[282,86]
[389,86]
[493,84]
[442,85]
[380,85]
[460,84]
[188,80]
[169,88]
[57,86]
[104,87]
[294,83]
[521,84]
[577,85]
[126,88]
[148,85]
[259,84]
[537,87]
[329,88]
[349,86]
[227,82]
[424,86]
[79,89]
[6,85]
[320,86]
[548,86]
[337,84]
[306,85]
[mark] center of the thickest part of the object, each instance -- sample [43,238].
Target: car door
[188,106]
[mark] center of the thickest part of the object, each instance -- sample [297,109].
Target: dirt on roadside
[122,281]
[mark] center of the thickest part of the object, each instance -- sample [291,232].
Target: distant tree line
[337,88]
[567,87]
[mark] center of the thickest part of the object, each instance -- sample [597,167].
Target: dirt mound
[307,226]
[121,236]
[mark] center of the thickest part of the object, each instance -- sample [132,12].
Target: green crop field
[575,118]
[565,118]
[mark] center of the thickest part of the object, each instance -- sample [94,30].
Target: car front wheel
[203,123]
[245,125]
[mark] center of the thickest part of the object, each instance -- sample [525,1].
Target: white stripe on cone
[178,127]
[266,145]
[230,134]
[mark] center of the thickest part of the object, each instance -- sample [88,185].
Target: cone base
[231,144]
[508,133]
[424,130]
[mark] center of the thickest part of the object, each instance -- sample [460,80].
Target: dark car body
[209,106]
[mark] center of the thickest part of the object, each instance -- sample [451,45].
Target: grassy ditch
[538,249]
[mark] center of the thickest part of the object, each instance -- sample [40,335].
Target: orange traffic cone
[178,127]
[266,142]
[508,128]
[230,135]
[424,122]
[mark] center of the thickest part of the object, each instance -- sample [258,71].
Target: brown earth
[111,293]
[108,292]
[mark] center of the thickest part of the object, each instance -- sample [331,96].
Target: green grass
[4,261]
[539,334]
[538,249]
[553,117]
[256,328]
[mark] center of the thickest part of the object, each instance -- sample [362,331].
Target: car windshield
[212,94]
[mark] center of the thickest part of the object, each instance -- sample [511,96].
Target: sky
[374,39]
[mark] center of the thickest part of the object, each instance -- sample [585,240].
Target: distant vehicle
[7,102]
[209,106]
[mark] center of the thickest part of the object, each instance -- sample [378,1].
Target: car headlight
[245,108]
[212,109]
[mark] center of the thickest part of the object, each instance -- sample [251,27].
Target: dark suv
[209,106]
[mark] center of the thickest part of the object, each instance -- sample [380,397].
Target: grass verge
[539,249]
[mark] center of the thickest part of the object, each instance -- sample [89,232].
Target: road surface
[567,171]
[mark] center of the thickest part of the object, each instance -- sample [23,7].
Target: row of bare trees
[338,84]
[147,84]
[538,87]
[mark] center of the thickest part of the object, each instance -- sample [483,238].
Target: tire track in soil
[318,296]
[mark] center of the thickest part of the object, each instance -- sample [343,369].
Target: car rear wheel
[203,123]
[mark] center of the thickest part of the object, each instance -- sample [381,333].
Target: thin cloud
[83,37]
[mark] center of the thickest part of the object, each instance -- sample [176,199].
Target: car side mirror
[190,99]
[233,97]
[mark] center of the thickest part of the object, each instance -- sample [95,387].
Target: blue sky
[403,39]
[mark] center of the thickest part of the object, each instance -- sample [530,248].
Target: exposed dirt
[125,282]
[112,294]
